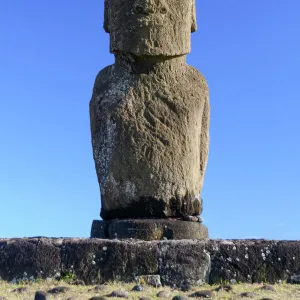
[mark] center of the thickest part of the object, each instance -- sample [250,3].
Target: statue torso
[146,127]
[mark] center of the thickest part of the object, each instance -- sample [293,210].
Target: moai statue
[150,113]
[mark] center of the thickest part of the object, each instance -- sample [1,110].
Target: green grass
[282,291]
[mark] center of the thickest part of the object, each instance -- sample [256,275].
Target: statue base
[148,229]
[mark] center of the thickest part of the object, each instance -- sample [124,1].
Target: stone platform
[148,229]
[166,262]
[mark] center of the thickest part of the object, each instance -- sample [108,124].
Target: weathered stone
[138,288]
[153,280]
[98,261]
[21,259]
[157,229]
[180,297]
[150,28]
[192,266]
[295,279]
[163,294]
[41,295]
[145,298]
[119,294]
[268,288]
[248,294]
[59,289]
[98,288]
[150,113]
[192,219]
[100,229]
[173,262]
[202,294]
[253,260]
[185,287]
[97,298]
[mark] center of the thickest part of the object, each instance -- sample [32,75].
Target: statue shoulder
[103,77]
[101,84]
[196,76]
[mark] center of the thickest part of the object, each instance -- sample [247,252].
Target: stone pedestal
[171,263]
[149,229]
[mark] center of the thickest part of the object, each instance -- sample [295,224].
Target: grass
[282,291]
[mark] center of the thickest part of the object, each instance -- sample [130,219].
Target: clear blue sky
[50,53]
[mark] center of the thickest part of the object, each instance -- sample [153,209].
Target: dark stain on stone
[151,207]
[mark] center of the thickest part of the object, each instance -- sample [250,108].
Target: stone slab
[171,262]
[149,229]
[100,229]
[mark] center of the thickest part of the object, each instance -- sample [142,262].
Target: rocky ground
[63,290]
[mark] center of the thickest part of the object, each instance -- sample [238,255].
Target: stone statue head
[150,27]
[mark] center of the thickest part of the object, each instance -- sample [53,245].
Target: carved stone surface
[178,266]
[98,261]
[150,27]
[21,259]
[100,229]
[150,113]
[173,262]
[149,229]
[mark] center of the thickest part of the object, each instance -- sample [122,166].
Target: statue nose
[145,7]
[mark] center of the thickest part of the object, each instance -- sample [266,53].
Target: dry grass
[282,291]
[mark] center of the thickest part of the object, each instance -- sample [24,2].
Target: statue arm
[93,106]
[204,139]
[99,87]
